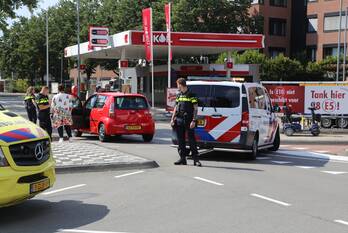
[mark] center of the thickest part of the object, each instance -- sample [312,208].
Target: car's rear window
[217,96]
[131,102]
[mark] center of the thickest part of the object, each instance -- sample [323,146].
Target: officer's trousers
[181,131]
[45,123]
[32,116]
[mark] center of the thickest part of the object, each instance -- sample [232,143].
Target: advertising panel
[171,96]
[290,94]
[327,99]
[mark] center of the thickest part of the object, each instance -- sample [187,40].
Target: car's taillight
[147,113]
[3,160]
[245,121]
[112,111]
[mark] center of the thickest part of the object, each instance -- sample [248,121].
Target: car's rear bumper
[117,129]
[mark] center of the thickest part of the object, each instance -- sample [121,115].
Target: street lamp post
[339,42]
[78,48]
[47,53]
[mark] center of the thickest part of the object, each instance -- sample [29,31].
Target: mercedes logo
[39,151]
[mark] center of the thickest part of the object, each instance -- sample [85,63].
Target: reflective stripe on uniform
[185,99]
[43,101]
[28,98]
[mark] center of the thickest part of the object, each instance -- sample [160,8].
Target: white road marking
[129,174]
[334,172]
[64,189]
[270,199]
[301,148]
[281,162]
[263,158]
[341,222]
[305,167]
[322,151]
[208,181]
[86,231]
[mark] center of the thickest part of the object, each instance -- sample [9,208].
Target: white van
[235,116]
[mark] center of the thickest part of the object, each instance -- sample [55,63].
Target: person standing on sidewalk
[61,108]
[43,104]
[30,104]
[184,121]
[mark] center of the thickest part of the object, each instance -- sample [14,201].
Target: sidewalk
[79,156]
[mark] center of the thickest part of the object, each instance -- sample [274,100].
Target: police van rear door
[219,115]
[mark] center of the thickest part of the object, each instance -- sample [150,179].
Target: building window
[275,51]
[332,21]
[281,3]
[331,50]
[312,53]
[277,27]
[312,24]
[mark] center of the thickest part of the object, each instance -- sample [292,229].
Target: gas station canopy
[130,45]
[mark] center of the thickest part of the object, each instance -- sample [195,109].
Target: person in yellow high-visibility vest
[30,104]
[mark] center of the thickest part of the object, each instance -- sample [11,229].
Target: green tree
[211,16]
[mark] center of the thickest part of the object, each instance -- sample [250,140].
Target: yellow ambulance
[27,166]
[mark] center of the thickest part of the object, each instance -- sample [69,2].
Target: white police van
[235,116]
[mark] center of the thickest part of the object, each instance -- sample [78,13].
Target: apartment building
[283,25]
[323,25]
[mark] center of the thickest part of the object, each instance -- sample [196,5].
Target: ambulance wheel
[102,134]
[254,149]
[77,133]
[276,142]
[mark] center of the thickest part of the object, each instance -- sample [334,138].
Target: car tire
[147,137]
[276,142]
[77,133]
[289,132]
[254,149]
[102,134]
[315,132]
[326,123]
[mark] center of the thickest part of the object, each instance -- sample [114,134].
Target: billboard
[98,36]
[171,97]
[290,94]
[327,99]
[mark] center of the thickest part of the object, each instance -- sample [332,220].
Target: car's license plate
[133,127]
[39,186]
[201,122]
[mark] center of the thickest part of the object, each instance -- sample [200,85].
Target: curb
[314,142]
[105,167]
[314,156]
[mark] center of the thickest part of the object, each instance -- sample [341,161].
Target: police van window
[91,102]
[261,98]
[100,102]
[225,97]
[202,92]
[257,98]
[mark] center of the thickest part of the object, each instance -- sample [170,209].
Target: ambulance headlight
[3,160]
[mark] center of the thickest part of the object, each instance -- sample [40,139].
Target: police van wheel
[254,149]
[276,142]
[102,134]
[77,133]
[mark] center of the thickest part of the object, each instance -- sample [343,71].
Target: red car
[115,113]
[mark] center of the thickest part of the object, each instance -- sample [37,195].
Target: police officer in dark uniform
[30,105]
[184,121]
[43,104]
